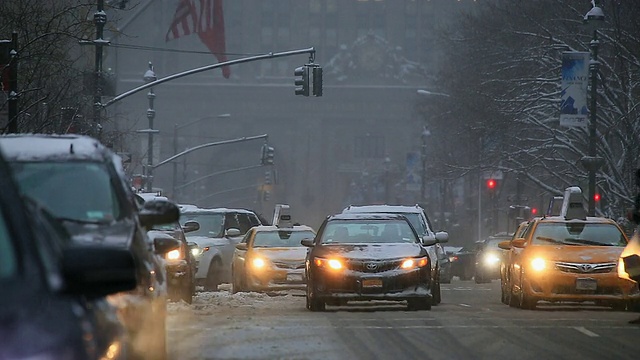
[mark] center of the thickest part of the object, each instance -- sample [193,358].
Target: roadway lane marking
[465,305]
[586,332]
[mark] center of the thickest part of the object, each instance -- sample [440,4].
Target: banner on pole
[574,111]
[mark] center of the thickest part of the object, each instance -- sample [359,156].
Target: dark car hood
[117,233]
[369,251]
[35,324]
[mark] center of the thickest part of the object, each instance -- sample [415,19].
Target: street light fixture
[150,76]
[594,19]
[176,127]
[423,154]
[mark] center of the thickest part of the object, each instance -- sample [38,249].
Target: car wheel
[213,276]
[478,278]
[419,304]
[619,305]
[313,303]
[467,274]
[634,305]
[525,301]
[187,293]
[236,284]
[513,299]
[437,294]
[504,293]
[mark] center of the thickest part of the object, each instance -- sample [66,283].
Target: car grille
[586,268]
[373,266]
[289,264]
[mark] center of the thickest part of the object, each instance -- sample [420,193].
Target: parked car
[489,258]
[463,262]
[570,258]
[38,265]
[82,184]
[368,256]
[180,263]
[418,218]
[271,258]
[221,229]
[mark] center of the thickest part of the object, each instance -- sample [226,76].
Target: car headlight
[538,264]
[622,273]
[414,263]
[173,255]
[491,259]
[259,263]
[333,264]
[197,251]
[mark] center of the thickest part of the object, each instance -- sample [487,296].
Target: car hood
[370,251]
[577,254]
[203,241]
[282,253]
[117,233]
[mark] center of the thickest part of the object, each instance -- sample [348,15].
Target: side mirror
[428,240]
[442,237]
[519,243]
[190,226]
[157,212]
[307,242]
[505,245]
[164,244]
[98,271]
[232,232]
[241,246]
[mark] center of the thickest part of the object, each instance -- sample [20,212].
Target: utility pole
[99,19]
[13,84]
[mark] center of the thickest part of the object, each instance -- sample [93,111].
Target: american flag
[205,18]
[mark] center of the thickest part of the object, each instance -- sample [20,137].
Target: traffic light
[317,81]
[302,80]
[268,153]
[534,212]
[492,184]
[267,177]
[597,197]
[266,196]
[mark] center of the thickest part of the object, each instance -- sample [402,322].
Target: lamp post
[176,127]
[148,77]
[423,154]
[594,18]
[386,166]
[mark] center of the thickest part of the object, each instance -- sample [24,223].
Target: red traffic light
[491,184]
[534,211]
[596,197]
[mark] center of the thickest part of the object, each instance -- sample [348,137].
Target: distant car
[420,221]
[82,184]
[366,256]
[463,262]
[220,230]
[489,258]
[569,258]
[271,258]
[53,302]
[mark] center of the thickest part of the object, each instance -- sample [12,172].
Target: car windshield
[281,238]
[77,190]
[368,231]
[8,262]
[417,222]
[211,225]
[578,233]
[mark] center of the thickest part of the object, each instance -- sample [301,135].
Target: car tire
[525,301]
[633,305]
[437,293]
[236,284]
[513,298]
[505,296]
[213,276]
[187,294]
[313,303]
[478,278]
[619,305]
[419,304]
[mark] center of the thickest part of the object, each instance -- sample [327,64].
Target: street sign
[496,174]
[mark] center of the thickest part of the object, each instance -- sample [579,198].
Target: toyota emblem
[586,267]
[372,266]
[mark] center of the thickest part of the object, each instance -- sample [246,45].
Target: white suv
[420,221]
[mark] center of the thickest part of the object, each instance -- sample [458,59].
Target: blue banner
[575,77]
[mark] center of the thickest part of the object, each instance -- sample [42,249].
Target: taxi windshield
[578,233]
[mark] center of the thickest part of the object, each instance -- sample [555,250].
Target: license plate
[294,277]
[586,284]
[372,283]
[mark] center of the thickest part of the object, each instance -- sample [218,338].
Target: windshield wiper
[585,242]
[548,239]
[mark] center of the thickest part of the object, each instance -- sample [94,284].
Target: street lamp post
[150,76]
[423,154]
[594,18]
[176,127]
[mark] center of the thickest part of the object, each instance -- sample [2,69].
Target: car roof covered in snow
[48,147]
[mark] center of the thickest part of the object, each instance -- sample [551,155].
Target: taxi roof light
[572,206]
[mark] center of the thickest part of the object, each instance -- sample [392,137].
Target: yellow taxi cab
[569,258]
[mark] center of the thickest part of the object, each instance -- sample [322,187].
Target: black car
[489,258]
[463,262]
[367,256]
[82,183]
[53,294]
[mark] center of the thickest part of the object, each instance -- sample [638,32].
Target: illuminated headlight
[196,251]
[622,273]
[491,259]
[333,264]
[538,264]
[259,263]
[414,263]
[173,255]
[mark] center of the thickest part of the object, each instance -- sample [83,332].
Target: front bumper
[558,286]
[276,279]
[177,272]
[389,285]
